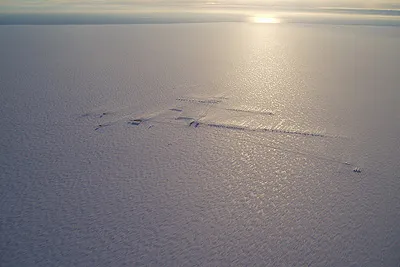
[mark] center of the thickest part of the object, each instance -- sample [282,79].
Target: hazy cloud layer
[135,5]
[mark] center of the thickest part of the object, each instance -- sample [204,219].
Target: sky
[60,6]
[360,12]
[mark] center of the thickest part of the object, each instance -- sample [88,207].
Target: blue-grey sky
[23,6]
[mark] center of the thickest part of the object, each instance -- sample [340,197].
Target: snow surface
[226,144]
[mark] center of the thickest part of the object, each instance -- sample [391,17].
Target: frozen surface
[200,145]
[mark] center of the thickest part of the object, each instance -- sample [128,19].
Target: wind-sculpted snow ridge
[201,100]
[286,130]
[130,118]
[213,105]
[203,111]
[215,112]
[253,111]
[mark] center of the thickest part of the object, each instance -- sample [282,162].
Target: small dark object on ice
[98,127]
[194,123]
[135,121]
[176,109]
[357,170]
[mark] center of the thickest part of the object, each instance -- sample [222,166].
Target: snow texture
[227,144]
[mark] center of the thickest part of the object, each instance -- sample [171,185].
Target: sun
[270,20]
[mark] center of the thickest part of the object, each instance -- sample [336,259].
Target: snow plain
[221,144]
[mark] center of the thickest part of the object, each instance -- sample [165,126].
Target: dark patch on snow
[103,114]
[195,124]
[176,109]
[202,101]
[135,122]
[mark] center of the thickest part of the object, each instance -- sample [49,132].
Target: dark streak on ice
[135,122]
[175,109]
[194,123]
[103,114]
[242,128]
[203,101]
[251,111]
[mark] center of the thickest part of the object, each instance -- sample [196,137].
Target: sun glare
[264,20]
